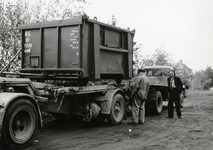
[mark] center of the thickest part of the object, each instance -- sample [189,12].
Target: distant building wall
[184,72]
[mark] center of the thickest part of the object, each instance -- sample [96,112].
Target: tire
[156,102]
[181,100]
[20,123]
[117,111]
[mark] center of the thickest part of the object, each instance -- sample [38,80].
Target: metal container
[78,48]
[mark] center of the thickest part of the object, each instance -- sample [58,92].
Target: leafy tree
[114,21]
[42,11]
[137,57]
[209,76]
[203,79]
[207,84]
[209,72]
[12,14]
[160,57]
[11,18]
[148,61]
[200,79]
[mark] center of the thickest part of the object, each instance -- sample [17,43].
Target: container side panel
[124,40]
[70,46]
[96,51]
[112,62]
[130,55]
[87,49]
[31,46]
[112,39]
[50,48]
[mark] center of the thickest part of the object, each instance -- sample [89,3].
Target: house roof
[158,67]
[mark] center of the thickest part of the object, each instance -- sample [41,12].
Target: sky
[182,28]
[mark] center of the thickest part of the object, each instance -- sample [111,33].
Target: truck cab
[158,91]
[158,75]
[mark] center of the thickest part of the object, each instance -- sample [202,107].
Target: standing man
[175,86]
[139,94]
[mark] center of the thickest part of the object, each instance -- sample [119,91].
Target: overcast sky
[184,27]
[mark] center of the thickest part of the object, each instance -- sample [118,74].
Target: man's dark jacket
[178,83]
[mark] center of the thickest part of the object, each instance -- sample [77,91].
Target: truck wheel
[156,100]
[117,110]
[20,123]
[181,99]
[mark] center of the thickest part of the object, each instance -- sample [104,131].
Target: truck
[158,76]
[78,67]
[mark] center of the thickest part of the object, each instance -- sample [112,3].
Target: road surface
[193,132]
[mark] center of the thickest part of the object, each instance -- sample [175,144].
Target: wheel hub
[117,110]
[19,125]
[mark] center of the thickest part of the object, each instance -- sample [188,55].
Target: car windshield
[157,72]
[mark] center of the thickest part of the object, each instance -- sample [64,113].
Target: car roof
[158,67]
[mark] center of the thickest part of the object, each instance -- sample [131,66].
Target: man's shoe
[179,117]
[169,117]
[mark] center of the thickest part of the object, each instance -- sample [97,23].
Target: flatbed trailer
[23,101]
[71,68]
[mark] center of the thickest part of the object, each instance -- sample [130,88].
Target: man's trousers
[174,97]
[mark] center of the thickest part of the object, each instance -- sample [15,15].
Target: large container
[78,48]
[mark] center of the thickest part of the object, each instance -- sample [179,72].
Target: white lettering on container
[27,33]
[27,50]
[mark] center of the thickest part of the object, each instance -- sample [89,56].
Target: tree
[203,79]
[209,76]
[10,36]
[200,79]
[12,14]
[160,57]
[114,21]
[137,57]
[209,72]
[148,61]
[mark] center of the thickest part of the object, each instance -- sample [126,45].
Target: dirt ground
[193,132]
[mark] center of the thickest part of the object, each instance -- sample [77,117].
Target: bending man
[139,93]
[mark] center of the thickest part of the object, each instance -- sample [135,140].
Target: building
[184,72]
